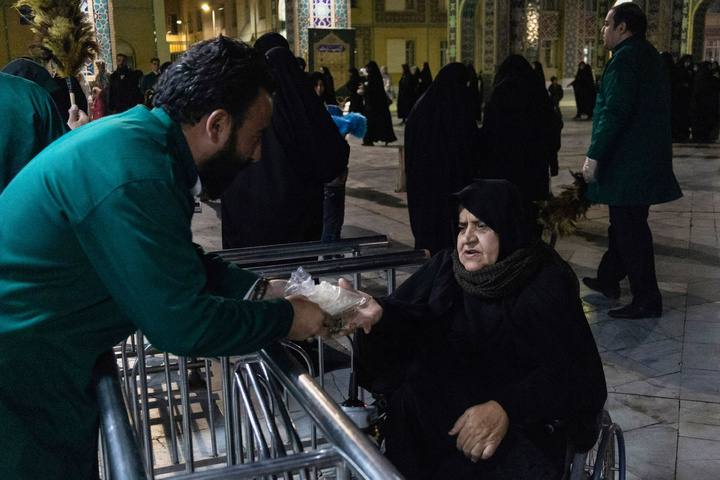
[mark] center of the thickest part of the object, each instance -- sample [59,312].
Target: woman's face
[319,88]
[478,245]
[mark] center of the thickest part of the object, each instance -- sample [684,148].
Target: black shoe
[608,291]
[635,311]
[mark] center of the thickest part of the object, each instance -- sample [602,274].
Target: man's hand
[77,118]
[589,170]
[365,316]
[480,430]
[308,320]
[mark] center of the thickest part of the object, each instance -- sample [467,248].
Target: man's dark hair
[633,16]
[121,55]
[154,59]
[220,73]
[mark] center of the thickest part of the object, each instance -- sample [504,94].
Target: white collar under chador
[197,188]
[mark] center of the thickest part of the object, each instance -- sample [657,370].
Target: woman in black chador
[406,94]
[352,86]
[329,94]
[520,136]
[704,104]
[476,90]
[377,109]
[425,79]
[441,142]
[481,350]
[302,149]
[584,88]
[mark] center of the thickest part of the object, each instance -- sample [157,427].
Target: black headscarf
[270,40]
[497,203]
[441,142]
[301,150]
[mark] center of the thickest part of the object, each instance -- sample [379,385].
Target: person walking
[629,163]
[377,109]
[441,144]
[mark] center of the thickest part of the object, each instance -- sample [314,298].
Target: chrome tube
[122,459]
[353,445]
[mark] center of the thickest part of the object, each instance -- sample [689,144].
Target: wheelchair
[605,461]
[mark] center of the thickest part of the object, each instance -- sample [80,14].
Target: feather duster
[559,214]
[63,33]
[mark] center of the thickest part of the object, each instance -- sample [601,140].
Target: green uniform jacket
[95,242]
[30,123]
[631,138]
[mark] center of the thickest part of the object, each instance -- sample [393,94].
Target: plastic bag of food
[331,298]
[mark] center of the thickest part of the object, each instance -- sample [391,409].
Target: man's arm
[139,241]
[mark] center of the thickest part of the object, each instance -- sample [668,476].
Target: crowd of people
[694,90]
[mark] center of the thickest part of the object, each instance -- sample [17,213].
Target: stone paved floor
[663,374]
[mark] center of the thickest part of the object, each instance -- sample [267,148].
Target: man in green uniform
[35,124]
[629,163]
[94,247]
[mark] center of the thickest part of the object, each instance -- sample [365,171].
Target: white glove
[589,170]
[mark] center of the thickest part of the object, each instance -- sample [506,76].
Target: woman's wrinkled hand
[480,430]
[363,316]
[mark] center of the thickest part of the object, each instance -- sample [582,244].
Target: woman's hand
[365,316]
[480,430]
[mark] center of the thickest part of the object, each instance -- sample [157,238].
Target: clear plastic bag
[331,298]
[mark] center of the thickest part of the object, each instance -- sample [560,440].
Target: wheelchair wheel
[601,460]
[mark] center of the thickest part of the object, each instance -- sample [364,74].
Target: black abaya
[520,136]
[441,143]
[301,150]
[377,109]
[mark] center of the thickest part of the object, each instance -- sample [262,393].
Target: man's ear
[218,126]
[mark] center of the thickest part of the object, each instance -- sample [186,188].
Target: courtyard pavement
[663,374]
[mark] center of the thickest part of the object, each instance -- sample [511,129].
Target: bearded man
[94,247]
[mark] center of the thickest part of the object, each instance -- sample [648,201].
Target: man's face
[121,62]
[155,66]
[242,147]
[612,35]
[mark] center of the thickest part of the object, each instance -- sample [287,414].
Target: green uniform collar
[177,143]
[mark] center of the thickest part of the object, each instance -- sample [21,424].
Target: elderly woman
[484,354]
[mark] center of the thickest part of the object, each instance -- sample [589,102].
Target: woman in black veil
[425,79]
[301,150]
[520,136]
[329,94]
[441,143]
[405,95]
[484,354]
[377,109]
[352,86]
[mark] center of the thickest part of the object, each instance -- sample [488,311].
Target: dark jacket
[632,140]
